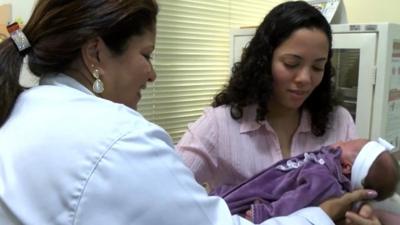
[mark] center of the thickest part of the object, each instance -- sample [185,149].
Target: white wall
[20,8]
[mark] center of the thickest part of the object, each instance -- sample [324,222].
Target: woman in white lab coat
[74,150]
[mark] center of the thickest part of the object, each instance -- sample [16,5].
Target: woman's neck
[279,112]
[285,122]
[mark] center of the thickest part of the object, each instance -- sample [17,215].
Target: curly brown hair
[251,80]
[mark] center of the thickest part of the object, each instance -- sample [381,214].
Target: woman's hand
[337,208]
[364,217]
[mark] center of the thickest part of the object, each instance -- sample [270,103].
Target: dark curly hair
[251,80]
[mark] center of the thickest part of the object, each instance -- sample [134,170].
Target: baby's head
[383,176]
[375,168]
[350,150]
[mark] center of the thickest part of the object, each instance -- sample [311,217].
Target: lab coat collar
[61,79]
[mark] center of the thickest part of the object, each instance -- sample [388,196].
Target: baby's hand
[249,215]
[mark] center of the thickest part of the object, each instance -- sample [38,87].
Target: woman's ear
[346,166]
[90,52]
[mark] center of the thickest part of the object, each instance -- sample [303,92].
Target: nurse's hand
[337,208]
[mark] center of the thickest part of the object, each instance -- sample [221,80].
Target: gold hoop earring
[98,86]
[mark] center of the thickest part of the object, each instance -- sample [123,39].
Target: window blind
[192,57]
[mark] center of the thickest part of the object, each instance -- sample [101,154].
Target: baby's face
[352,145]
[351,148]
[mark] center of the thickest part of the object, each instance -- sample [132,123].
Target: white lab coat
[69,157]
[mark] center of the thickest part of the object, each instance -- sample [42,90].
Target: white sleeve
[141,180]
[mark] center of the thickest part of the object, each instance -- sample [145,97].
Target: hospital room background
[195,49]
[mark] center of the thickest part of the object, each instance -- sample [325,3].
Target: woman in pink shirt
[278,103]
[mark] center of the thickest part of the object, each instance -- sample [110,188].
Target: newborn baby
[311,178]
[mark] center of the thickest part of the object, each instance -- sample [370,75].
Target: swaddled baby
[313,177]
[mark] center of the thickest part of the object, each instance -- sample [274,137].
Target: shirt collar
[305,122]
[248,122]
[61,79]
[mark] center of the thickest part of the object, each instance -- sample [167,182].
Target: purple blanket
[289,185]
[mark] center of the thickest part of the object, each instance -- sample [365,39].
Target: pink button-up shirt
[220,150]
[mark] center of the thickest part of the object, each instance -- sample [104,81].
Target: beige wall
[369,11]
[358,11]
[5,14]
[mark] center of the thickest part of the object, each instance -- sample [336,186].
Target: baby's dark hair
[383,176]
